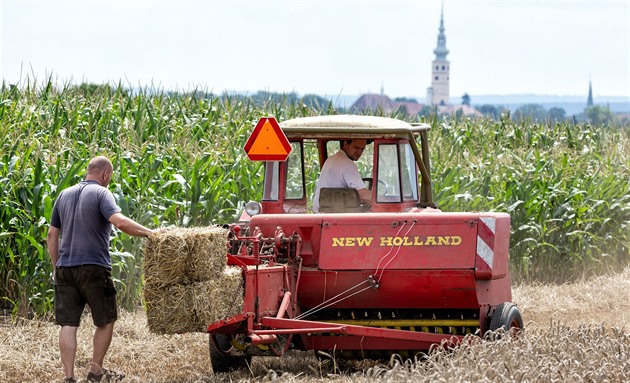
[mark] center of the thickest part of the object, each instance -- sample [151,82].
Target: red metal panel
[493,236]
[269,289]
[494,291]
[398,241]
[501,245]
[398,289]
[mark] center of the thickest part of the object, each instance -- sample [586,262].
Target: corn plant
[178,160]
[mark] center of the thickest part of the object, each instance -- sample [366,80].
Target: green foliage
[466,99]
[599,115]
[533,112]
[490,111]
[178,160]
[556,114]
[566,187]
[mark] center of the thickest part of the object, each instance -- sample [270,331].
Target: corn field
[178,160]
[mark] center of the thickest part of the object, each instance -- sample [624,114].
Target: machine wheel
[222,360]
[508,318]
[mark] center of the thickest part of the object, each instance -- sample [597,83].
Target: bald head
[100,169]
[99,164]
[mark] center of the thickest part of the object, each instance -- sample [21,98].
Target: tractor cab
[390,166]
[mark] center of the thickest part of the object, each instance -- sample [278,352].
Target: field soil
[574,332]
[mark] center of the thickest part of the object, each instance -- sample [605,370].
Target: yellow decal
[431,240]
[352,241]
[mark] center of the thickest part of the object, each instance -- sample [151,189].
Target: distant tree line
[596,114]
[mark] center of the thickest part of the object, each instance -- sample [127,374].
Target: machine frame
[400,278]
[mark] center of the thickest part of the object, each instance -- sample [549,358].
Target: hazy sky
[322,47]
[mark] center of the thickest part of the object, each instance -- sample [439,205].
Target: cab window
[397,175]
[295,173]
[272,181]
[388,184]
[408,173]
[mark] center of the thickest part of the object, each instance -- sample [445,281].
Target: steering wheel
[382,188]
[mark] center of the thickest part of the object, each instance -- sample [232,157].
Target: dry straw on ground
[577,332]
[187,283]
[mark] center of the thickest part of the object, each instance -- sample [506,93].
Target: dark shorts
[80,285]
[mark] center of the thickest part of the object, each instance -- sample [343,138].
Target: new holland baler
[360,280]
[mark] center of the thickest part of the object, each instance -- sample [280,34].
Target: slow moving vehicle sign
[267,142]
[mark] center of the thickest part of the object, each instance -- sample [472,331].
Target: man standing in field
[83,216]
[340,171]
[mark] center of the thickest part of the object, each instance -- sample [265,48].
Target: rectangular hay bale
[208,252]
[170,310]
[219,298]
[184,255]
[166,259]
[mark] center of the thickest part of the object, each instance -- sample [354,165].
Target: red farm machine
[396,276]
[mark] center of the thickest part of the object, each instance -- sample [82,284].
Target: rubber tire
[226,363]
[507,317]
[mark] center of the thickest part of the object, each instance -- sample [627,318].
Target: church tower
[438,93]
[589,100]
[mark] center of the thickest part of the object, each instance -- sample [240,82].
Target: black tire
[508,318]
[222,360]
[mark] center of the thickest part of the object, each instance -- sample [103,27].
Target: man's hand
[365,196]
[129,226]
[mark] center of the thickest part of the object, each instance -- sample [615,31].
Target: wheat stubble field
[577,332]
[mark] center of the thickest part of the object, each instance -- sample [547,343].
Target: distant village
[438,100]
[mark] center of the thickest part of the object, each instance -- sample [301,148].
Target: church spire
[441,51]
[438,92]
[589,101]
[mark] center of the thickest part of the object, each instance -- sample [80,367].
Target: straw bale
[187,282]
[207,250]
[184,255]
[192,307]
[170,310]
[166,259]
[220,298]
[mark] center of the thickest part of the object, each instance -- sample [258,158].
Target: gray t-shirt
[82,214]
[339,171]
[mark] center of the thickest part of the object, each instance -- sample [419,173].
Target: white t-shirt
[339,171]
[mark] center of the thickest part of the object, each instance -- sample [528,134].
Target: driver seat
[339,200]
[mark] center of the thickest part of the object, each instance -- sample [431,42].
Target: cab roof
[350,126]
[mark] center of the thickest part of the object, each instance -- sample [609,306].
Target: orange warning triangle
[267,142]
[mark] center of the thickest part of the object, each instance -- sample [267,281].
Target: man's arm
[129,226]
[365,195]
[53,244]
